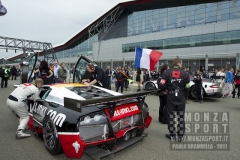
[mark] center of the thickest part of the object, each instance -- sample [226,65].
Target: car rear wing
[77,105]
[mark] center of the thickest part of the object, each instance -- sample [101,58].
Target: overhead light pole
[3,10]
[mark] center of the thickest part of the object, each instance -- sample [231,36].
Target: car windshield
[89,92]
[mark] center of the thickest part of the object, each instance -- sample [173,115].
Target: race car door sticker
[58,118]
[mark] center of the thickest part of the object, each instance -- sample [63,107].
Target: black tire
[150,86]
[51,141]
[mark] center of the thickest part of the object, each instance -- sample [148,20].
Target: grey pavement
[154,147]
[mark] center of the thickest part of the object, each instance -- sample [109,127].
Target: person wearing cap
[17,102]
[98,78]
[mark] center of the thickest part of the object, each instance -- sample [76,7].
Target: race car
[76,119]
[209,88]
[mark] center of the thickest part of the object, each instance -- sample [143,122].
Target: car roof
[59,91]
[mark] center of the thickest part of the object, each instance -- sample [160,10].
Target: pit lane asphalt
[154,147]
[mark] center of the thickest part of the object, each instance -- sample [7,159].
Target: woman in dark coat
[163,114]
[44,72]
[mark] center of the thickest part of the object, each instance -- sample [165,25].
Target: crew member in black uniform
[173,84]
[198,86]
[98,78]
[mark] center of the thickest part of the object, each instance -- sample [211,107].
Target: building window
[211,39]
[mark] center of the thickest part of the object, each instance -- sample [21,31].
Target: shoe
[186,102]
[138,90]
[201,101]
[180,138]
[223,96]
[26,128]
[20,134]
[172,138]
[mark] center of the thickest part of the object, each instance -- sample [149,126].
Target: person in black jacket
[119,79]
[125,73]
[98,78]
[14,72]
[198,86]
[163,114]
[108,72]
[1,71]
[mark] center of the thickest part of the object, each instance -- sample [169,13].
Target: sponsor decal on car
[125,110]
[76,146]
[58,118]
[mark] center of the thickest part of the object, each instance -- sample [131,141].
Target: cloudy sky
[53,21]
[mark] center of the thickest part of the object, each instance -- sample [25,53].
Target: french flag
[146,58]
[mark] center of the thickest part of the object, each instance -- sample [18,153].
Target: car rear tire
[150,86]
[51,141]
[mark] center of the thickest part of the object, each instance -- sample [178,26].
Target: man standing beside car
[173,84]
[62,73]
[98,78]
[17,102]
[108,72]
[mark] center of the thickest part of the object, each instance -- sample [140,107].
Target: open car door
[28,64]
[80,71]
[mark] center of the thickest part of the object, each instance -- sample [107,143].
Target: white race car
[209,88]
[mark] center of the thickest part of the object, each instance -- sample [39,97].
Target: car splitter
[97,152]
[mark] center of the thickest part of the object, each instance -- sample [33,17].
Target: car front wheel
[50,137]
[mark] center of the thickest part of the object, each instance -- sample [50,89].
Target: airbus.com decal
[58,118]
[125,110]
